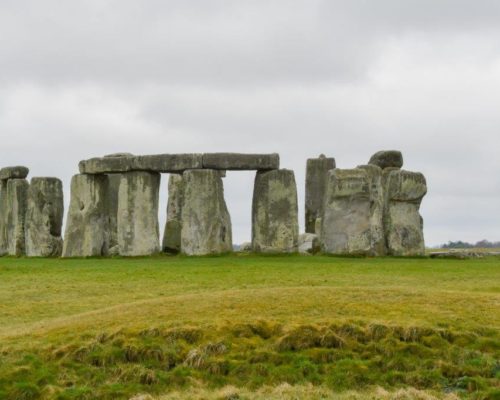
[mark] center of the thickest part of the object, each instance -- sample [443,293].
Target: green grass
[192,327]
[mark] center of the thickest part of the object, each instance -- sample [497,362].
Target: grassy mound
[249,327]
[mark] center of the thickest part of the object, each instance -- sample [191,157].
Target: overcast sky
[298,77]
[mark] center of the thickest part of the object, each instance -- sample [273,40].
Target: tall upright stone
[137,218]
[173,226]
[112,209]
[376,209]
[3,216]
[44,218]
[87,224]
[403,223]
[206,224]
[316,180]
[14,205]
[346,222]
[275,227]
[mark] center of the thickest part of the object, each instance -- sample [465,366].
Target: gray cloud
[345,78]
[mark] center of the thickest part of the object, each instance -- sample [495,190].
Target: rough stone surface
[206,224]
[173,226]
[137,217]
[316,179]
[387,158]
[346,220]
[275,227]
[112,210]
[309,243]
[152,163]
[87,224]
[44,218]
[376,209]
[240,162]
[402,221]
[17,172]
[13,204]
[245,247]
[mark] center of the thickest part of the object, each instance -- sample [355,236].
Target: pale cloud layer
[344,78]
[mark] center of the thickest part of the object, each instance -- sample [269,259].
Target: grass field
[249,327]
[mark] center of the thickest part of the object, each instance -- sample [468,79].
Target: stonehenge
[369,210]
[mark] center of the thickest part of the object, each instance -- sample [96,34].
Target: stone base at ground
[173,226]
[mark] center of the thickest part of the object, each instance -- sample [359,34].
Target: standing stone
[44,218]
[3,216]
[346,226]
[402,221]
[275,227]
[112,209]
[206,224]
[137,221]
[387,158]
[14,203]
[87,226]
[173,227]
[376,209]
[316,179]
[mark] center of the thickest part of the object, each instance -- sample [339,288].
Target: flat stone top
[17,172]
[176,163]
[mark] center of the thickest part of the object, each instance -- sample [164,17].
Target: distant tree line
[464,245]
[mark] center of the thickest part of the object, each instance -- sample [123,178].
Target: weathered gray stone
[137,219]
[112,210]
[387,158]
[309,243]
[151,163]
[316,179]
[240,162]
[87,224]
[44,218]
[403,224]
[376,209]
[275,227]
[173,226]
[13,203]
[345,224]
[245,247]
[206,224]
[17,172]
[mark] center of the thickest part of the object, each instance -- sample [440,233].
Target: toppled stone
[240,162]
[275,227]
[44,218]
[87,225]
[173,226]
[206,224]
[17,172]
[387,158]
[13,204]
[137,216]
[402,221]
[346,226]
[174,163]
[459,254]
[309,243]
[245,247]
[316,179]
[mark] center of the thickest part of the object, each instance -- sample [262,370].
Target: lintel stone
[241,161]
